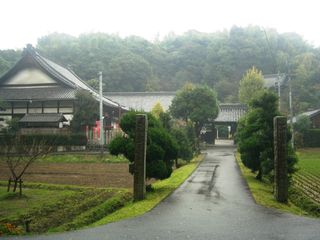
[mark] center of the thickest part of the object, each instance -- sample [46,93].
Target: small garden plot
[114,175]
[306,181]
[55,208]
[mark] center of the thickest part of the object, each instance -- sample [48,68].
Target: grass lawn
[161,190]
[83,158]
[263,192]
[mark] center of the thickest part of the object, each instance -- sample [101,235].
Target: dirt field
[84,174]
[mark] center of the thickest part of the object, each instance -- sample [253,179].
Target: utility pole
[279,91]
[291,110]
[101,113]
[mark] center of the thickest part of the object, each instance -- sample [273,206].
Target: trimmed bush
[184,146]
[162,148]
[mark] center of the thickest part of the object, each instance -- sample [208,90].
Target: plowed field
[84,174]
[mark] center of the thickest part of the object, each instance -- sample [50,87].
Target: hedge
[54,140]
[312,138]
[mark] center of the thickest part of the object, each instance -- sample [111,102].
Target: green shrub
[303,124]
[162,148]
[255,136]
[159,169]
[122,145]
[184,145]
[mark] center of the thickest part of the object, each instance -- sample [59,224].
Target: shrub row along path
[214,203]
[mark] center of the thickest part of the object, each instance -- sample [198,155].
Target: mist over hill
[216,59]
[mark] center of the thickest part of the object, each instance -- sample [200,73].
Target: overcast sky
[24,21]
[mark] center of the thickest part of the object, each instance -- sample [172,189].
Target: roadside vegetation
[256,159]
[262,191]
[161,190]
[55,208]
[304,190]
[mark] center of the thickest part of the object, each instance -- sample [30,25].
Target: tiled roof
[43,117]
[71,78]
[309,114]
[64,75]
[142,100]
[49,93]
[230,112]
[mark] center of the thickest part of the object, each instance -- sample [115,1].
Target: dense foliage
[162,148]
[217,59]
[195,104]
[86,111]
[251,85]
[301,126]
[255,136]
[179,133]
[311,138]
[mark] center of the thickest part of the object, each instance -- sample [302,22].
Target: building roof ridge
[60,72]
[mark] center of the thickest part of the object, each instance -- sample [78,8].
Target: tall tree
[251,85]
[86,111]
[255,135]
[197,104]
[128,72]
[157,110]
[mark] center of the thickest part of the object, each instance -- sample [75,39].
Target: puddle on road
[208,185]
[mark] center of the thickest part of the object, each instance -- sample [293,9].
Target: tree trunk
[15,185]
[9,185]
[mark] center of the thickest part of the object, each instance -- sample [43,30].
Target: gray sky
[24,21]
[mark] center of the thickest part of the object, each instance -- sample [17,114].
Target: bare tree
[19,152]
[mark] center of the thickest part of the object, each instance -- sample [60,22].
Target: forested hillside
[217,59]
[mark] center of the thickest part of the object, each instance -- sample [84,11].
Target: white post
[217,133]
[291,112]
[101,112]
[279,91]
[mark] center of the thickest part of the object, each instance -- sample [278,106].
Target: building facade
[42,94]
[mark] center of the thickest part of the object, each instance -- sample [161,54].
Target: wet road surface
[214,203]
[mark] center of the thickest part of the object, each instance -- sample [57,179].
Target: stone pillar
[280,159]
[139,185]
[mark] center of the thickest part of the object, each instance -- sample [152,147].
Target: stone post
[280,159]
[139,185]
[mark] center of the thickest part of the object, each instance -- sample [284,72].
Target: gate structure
[228,117]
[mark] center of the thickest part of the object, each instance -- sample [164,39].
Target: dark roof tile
[230,112]
[43,117]
[49,93]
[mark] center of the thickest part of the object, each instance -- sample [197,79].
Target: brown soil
[84,174]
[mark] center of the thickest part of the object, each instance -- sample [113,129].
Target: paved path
[214,203]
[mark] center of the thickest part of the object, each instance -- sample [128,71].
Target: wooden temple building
[42,94]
